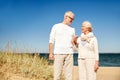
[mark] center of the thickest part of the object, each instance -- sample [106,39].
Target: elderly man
[61,39]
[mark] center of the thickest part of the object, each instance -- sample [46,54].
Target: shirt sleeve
[52,35]
[93,44]
[73,32]
[96,49]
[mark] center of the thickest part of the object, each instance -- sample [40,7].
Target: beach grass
[23,66]
[26,66]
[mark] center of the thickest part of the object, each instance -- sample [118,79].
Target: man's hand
[51,56]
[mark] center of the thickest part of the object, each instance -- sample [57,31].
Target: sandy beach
[104,73]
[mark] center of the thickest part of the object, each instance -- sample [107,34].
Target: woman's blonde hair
[88,25]
[90,29]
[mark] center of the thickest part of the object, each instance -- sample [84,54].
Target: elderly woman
[88,56]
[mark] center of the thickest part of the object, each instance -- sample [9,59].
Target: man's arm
[51,56]
[74,41]
[51,43]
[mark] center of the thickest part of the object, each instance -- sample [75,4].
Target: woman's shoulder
[94,39]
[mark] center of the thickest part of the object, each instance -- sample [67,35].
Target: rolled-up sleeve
[52,35]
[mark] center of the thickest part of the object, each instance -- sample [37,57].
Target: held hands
[74,41]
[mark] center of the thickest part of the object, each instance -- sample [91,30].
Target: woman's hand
[96,66]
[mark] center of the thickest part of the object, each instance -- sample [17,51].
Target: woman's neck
[86,32]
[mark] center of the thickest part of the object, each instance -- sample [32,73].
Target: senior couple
[63,40]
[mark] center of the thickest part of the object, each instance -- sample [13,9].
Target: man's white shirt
[61,36]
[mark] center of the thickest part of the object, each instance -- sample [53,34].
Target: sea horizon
[105,59]
[99,53]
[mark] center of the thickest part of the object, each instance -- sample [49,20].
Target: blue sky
[26,24]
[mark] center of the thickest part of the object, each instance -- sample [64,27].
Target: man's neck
[65,23]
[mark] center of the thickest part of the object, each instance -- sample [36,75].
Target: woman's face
[84,29]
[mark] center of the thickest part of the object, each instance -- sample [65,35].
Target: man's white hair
[69,12]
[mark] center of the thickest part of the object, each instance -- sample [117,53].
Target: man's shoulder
[60,25]
[57,24]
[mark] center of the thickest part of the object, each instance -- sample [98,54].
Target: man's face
[69,18]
